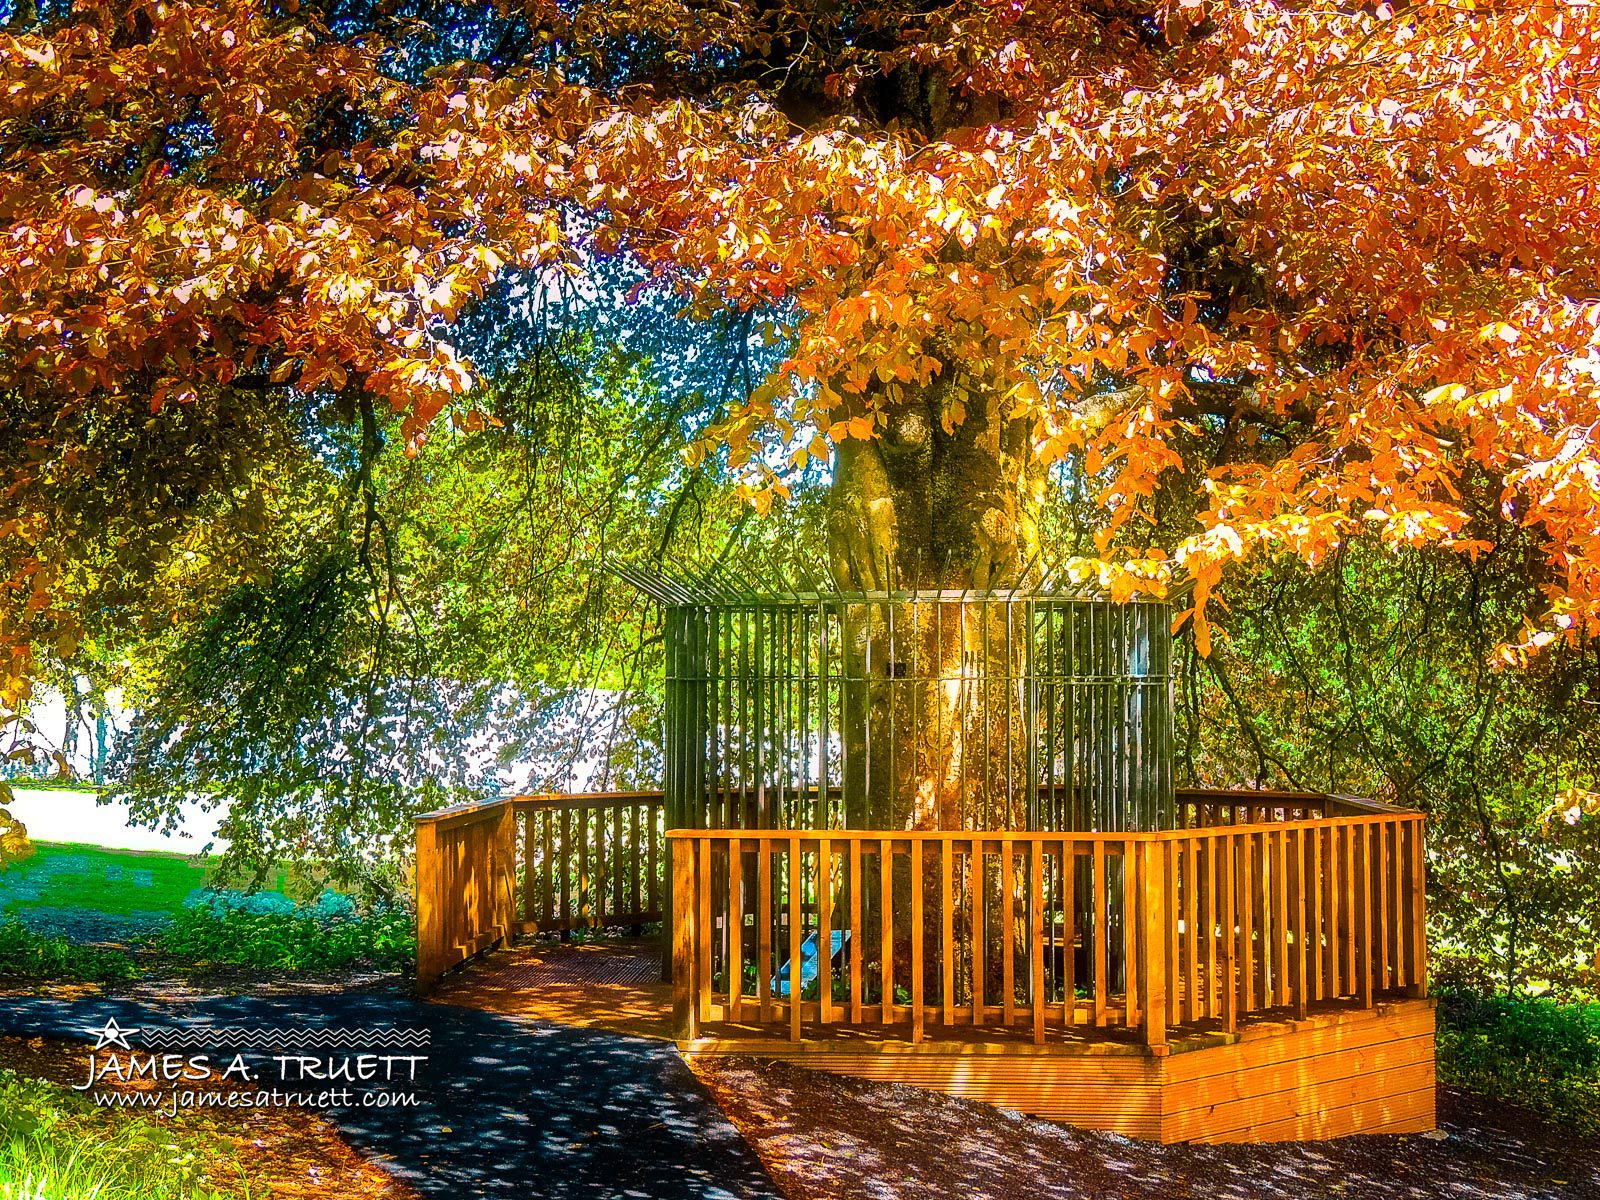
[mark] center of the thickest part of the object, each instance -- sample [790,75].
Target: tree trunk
[929,724]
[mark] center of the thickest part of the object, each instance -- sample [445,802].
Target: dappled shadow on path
[826,1136]
[506,1107]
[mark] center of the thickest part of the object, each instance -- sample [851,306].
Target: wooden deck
[1258,974]
[1340,1070]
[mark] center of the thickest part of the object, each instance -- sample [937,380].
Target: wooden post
[529,909]
[1152,924]
[825,930]
[796,936]
[856,883]
[1230,939]
[1008,933]
[1363,916]
[735,931]
[704,928]
[1036,936]
[976,893]
[918,939]
[1069,932]
[685,1013]
[1297,915]
[1419,910]
[505,860]
[1102,967]
[430,916]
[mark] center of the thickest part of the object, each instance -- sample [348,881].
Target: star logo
[112,1035]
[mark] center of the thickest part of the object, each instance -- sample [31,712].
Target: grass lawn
[75,877]
[56,1144]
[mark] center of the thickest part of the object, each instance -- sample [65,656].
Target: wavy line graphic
[387,1037]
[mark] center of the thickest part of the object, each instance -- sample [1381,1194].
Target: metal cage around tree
[813,709]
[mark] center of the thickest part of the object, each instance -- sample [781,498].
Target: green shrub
[299,941]
[55,1145]
[1532,1051]
[34,956]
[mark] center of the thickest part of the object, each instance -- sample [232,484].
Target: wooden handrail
[569,800]
[466,876]
[897,930]
[490,870]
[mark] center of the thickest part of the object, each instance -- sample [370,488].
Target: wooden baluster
[601,869]
[856,882]
[976,890]
[707,930]
[503,861]
[1261,859]
[1347,907]
[764,923]
[735,932]
[1399,902]
[797,920]
[652,839]
[685,991]
[1363,898]
[1149,916]
[618,906]
[1331,952]
[1209,920]
[1297,913]
[1313,860]
[1230,983]
[1382,859]
[1130,932]
[585,894]
[886,926]
[1102,966]
[1191,918]
[636,826]
[1419,907]
[1036,937]
[568,871]
[1069,937]
[825,930]
[548,867]
[1280,919]
[1008,965]
[918,938]
[1249,899]
[947,938]
[529,871]
[1172,936]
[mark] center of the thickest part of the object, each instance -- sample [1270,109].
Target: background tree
[1232,285]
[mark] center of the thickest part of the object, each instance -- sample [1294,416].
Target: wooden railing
[596,861]
[1200,808]
[466,885]
[533,864]
[1140,931]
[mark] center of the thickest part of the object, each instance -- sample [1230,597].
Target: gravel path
[506,1107]
[825,1136]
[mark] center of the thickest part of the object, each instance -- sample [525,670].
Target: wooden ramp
[613,985]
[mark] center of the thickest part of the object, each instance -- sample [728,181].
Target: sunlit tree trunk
[923,508]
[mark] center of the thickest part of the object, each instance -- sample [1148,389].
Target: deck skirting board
[1364,1071]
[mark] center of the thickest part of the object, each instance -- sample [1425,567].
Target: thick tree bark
[929,722]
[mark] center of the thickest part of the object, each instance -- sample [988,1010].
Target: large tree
[1297,270]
